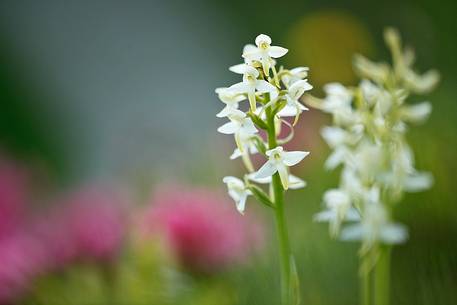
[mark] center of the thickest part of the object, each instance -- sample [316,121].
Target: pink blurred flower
[202,228]
[13,196]
[21,259]
[89,224]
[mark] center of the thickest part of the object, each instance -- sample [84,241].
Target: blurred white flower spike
[273,95]
[368,140]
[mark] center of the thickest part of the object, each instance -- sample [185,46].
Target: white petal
[234,195]
[353,232]
[416,113]
[264,86]
[253,177]
[276,52]
[231,179]
[252,54]
[240,68]
[226,112]
[288,111]
[352,215]
[418,182]
[284,175]
[298,88]
[240,87]
[296,183]
[241,204]
[249,127]
[336,158]
[267,170]
[301,72]
[291,158]
[334,136]
[236,154]
[325,216]
[249,48]
[262,38]
[393,234]
[228,128]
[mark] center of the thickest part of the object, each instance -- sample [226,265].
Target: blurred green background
[125,90]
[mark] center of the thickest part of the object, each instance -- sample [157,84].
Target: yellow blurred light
[327,41]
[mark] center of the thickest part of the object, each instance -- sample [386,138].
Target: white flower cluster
[368,141]
[272,94]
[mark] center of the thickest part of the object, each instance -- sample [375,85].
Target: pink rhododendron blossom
[202,229]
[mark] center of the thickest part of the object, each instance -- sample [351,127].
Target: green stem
[382,277]
[365,287]
[281,226]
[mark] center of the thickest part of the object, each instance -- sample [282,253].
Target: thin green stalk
[382,277]
[281,226]
[365,287]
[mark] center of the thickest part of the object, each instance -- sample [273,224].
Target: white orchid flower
[338,103]
[240,125]
[338,203]
[248,148]
[230,99]
[279,161]
[370,91]
[238,191]
[295,183]
[250,83]
[293,106]
[294,75]
[264,52]
[375,227]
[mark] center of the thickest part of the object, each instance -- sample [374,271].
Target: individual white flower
[279,161]
[340,140]
[248,148]
[240,125]
[295,183]
[238,191]
[230,99]
[370,91]
[375,227]
[250,83]
[339,155]
[294,75]
[338,203]
[336,136]
[264,52]
[368,160]
[293,106]
[338,102]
